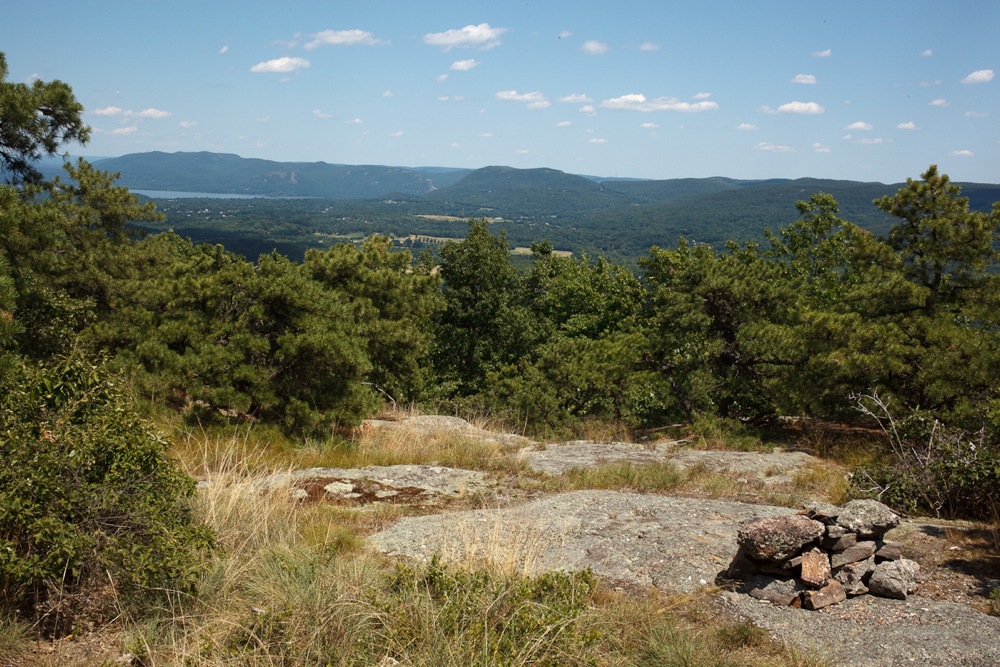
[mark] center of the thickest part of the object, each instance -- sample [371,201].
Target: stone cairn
[822,555]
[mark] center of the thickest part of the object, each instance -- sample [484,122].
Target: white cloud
[979,76]
[486,135]
[150,113]
[565,34]
[928,84]
[801,107]
[702,96]
[940,102]
[772,148]
[638,102]
[188,124]
[343,38]
[860,125]
[804,78]
[976,114]
[825,53]
[908,125]
[820,148]
[564,123]
[397,133]
[927,53]
[355,121]
[962,153]
[464,65]
[576,98]
[262,119]
[319,114]
[454,144]
[649,126]
[871,142]
[156,114]
[441,77]
[125,131]
[588,108]
[388,93]
[535,100]
[483,36]
[280,65]
[597,141]
[594,47]
[224,50]
[649,47]
[747,127]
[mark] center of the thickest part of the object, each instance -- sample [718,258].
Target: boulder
[894,579]
[779,538]
[867,518]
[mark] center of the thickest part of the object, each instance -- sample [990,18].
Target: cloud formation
[482,36]
[464,65]
[804,78]
[283,65]
[908,125]
[576,98]
[747,127]
[649,47]
[940,102]
[156,114]
[809,108]
[535,100]
[962,153]
[343,38]
[979,76]
[860,125]
[639,102]
[594,48]
[774,148]
[825,53]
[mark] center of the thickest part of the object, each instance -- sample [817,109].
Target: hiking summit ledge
[682,545]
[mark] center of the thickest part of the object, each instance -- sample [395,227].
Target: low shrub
[92,511]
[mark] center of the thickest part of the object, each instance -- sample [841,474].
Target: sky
[871,91]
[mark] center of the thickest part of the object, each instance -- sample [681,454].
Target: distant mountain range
[616,216]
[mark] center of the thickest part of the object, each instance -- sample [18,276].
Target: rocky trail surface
[640,541]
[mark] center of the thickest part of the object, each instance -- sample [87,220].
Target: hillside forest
[102,325]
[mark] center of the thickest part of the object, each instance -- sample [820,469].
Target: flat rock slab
[561,458]
[875,632]
[438,424]
[776,467]
[409,484]
[675,544]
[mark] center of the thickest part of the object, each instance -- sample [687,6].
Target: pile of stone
[822,555]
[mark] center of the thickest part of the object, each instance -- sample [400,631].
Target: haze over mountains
[616,216]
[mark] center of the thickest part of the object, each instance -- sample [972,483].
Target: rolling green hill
[620,219]
[224,173]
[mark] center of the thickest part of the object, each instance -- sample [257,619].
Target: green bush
[91,508]
[933,467]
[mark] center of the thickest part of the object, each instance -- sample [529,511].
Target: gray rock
[867,518]
[852,554]
[774,589]
[853,576]
[889,551]
[894,579]
[839,543]
[778,538]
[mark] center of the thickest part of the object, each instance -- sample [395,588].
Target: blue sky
[858,90]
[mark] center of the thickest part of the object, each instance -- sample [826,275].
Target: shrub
[934,467]
[91,508]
